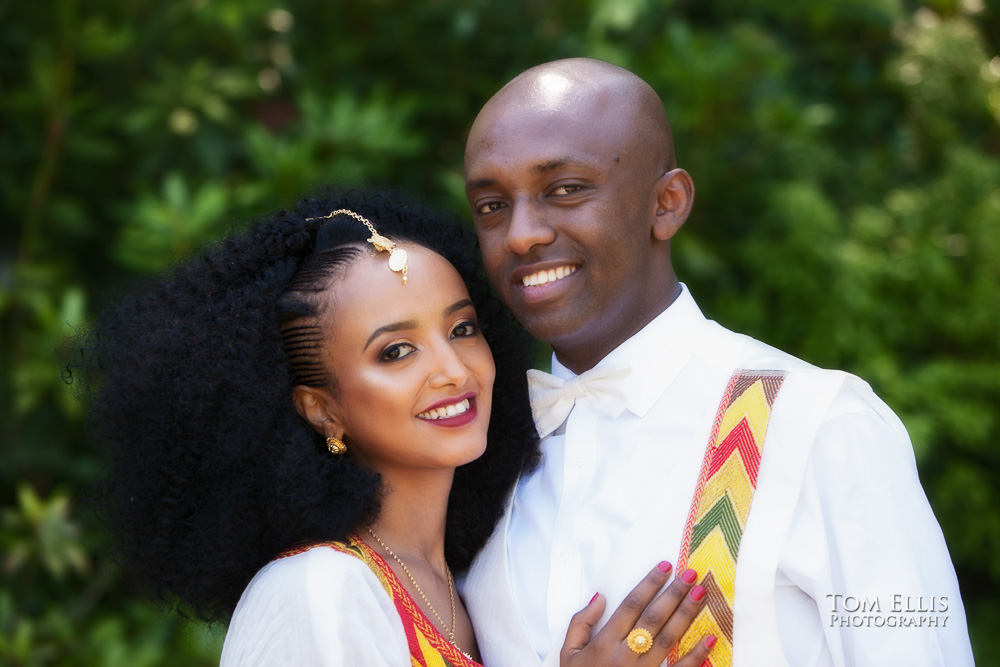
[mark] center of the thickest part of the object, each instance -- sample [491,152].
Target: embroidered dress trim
[428,647]
[721,506]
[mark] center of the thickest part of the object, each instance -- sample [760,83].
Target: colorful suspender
[721,505]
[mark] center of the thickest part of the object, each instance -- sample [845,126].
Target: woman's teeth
[446,411]
[542,277]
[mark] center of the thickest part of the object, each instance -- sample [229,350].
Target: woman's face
[414,375]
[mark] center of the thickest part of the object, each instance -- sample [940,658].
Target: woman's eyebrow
[395,326]
[412,324]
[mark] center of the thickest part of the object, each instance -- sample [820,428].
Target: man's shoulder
[756,355]
[841,392]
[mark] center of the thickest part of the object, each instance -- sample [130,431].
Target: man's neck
[580,356]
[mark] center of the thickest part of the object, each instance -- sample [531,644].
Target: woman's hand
[666,618]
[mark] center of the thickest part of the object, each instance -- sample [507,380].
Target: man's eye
[562,190]
[490,207]
[397,351]
[465,329]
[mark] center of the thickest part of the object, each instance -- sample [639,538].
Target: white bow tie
[552,398]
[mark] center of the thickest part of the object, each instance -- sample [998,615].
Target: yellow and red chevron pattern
[721,505]
[428,647]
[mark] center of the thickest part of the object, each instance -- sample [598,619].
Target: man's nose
[529,227]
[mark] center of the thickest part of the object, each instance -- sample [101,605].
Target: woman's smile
[451,413]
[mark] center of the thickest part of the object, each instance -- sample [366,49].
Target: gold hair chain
[397,256]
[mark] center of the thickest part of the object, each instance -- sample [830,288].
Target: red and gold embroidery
[428,647]
[721,506]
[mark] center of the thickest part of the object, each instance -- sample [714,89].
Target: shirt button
[579,461]
[563,555]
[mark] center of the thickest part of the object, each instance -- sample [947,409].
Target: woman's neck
[412,519]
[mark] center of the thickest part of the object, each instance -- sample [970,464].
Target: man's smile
[547,275]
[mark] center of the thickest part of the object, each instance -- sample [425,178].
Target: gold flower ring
[639,640]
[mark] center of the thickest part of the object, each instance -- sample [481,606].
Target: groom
[661,430]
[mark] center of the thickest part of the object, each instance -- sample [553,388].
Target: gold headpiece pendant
[397,256]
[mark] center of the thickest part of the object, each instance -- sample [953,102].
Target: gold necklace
[451,588]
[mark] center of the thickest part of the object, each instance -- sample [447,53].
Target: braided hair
[212,472]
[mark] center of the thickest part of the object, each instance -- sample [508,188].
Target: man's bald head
[561,88]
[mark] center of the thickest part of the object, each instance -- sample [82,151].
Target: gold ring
[639,640]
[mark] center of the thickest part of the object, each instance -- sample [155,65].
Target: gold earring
[335,445]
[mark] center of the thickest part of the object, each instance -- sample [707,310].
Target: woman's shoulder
[311,575]
[315,604]
[320,552]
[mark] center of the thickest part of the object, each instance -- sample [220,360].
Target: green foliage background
[846,154]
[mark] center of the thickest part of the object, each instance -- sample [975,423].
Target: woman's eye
[566,189]
[397,351]
[490,207]
[465,329]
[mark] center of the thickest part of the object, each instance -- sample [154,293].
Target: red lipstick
[462,419]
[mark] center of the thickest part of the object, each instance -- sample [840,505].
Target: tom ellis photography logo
[896,611]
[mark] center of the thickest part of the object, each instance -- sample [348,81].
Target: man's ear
[674,199]
[317,407]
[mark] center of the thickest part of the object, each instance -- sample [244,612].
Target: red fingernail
[592,599]
[710,641]
[689,576]
[697,593]
[664,566]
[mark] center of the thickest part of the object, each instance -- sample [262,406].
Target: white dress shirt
[838,511]
[318,608]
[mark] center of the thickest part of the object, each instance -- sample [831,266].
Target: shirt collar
[656,353]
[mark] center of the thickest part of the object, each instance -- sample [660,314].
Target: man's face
[563,201]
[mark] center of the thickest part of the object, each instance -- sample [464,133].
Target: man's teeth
[446,411]
[548,276]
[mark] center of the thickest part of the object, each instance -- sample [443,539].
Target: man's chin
[554,327]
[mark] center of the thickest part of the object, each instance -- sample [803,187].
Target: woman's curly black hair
[212,471]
